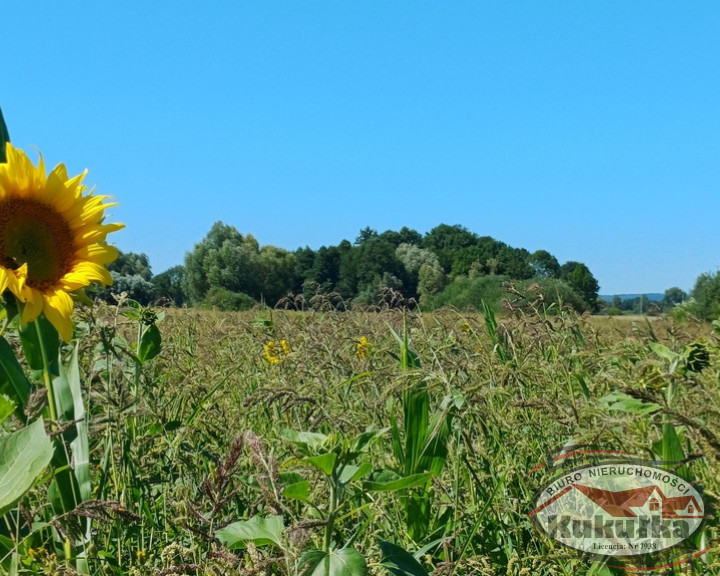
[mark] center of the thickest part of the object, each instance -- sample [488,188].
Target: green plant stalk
[332,509]
[46,375]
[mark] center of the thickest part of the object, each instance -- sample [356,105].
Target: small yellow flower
[274,353]
[362,348]
[465,327]
[140,555]
[52,239]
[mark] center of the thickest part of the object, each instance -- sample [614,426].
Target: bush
[612,311]
[464,292]
[227,301]
[560,293]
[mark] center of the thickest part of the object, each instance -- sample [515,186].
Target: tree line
[448,266]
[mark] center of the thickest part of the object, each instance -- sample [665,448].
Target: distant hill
[652,296]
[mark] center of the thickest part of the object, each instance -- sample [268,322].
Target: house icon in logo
[642,501]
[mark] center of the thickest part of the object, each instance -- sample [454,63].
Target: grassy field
[277,442]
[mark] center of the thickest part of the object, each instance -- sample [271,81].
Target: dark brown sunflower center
[35,234]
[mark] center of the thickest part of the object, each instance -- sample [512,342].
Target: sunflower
[52,239]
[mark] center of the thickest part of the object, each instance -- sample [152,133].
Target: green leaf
[408,358]
[400,562]
[7,407]
[12,378]
[23,456]
[80,446]
[672,450]
[663,351]
[259,530]
[307,442]
[63,492]
[350,472]
[416,412]
[150,343]
[297,491]
[31,335]
[343,562]
[324,462]
[64,404]
[4,137]
[362,441]
[620,402]
[412,481]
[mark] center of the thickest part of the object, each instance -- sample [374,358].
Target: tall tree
[672,297]
[170,285]
[448,243]
[132,264]
[131,273]
[223,259]
[706,294]
[277,273]
[580,279]
[544,264]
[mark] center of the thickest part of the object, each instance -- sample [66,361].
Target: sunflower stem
[47,379]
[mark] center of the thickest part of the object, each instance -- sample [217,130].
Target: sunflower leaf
[259,530]
[23,456]
[13,381]
[150,344]
[4,137]
[31,335]
[343,562]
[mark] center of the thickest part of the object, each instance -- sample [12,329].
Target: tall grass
[406,454]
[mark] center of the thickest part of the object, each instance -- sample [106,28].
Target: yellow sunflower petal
[89,272]
[33,306]
[17,281]
[4,280]
[91,234]
[98,253]
[58,310]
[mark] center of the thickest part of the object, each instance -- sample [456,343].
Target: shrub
[227,301]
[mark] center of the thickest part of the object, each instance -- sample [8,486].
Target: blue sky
[589,129]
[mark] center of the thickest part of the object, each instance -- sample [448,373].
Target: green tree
[131,273]
[448,244]
[514,263]
[672,297]
[304,260]
[325,271]
[276,273]
[581,280]
[706,295]
[365,234]
[376,266]
[131,264]
[425,276]
[544,264]
[404,236]
[225,259]
[135,286]
[170,286]
[431,279]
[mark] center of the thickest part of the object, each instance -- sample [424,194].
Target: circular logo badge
[618,509]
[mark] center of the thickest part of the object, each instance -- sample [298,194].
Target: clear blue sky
[587,128]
